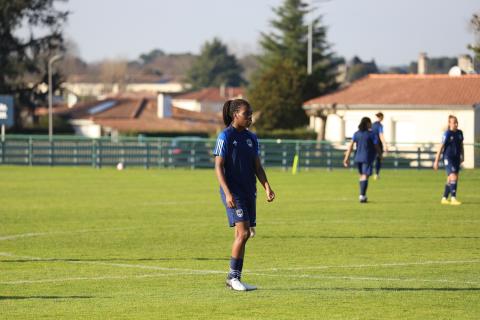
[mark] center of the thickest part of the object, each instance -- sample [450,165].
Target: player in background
[451,151]
[237,165]
[377,129]
[365,152]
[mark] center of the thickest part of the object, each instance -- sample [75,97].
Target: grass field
[81,243]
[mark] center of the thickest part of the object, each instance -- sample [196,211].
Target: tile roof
[393,89]
[213,94]
[139,114]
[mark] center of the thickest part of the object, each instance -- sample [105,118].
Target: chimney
[222,90]
[422,63]
[164,106]
[465,63]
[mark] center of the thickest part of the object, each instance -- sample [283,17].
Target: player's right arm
[346,160]
[439,152]
[220,172]
[220,154]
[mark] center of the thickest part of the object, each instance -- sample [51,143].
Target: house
[416,108]
[208,99]
[137,114]
[91,86]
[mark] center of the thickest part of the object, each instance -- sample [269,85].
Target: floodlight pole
[310,44]
[50,95]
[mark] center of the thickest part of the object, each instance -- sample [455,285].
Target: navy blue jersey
[453,143]
[239,150]
[365,150]
[377,129]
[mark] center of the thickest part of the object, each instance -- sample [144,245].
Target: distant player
[453,156]
[366,150]
[377,129]
[237,163]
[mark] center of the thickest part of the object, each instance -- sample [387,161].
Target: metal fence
[195,152]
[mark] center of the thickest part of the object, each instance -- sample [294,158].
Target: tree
[24,60]
[475,25]
[147,58]
[215,67]
[280,109]
[358,69]
[288,42]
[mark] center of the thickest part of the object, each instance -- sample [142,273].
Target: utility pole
[50,95]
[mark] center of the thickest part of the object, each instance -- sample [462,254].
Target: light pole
[50,95]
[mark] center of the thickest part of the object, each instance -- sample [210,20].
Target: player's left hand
[270,194]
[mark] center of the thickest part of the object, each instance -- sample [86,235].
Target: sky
[393,32]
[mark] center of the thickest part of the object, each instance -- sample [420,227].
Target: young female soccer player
[236,165]
[377,129]
[452,151]
[366,150]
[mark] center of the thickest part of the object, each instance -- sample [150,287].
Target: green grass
[103,244]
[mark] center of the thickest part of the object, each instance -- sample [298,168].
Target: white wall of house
[88,89]
[407,127]
[187,104]
[212,107]
[97,89]
[170,87]
[199,106]
[86,128]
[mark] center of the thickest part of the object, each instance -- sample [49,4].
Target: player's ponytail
[227,117]
[230,107]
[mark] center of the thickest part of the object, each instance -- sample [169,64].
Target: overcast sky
[392,32]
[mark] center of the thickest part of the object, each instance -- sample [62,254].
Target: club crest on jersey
[239,213]
[235,143]
[250,143]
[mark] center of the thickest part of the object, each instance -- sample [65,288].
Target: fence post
[3,152]
[99,152]
[395,163]
[147,162]
[94,153]
[30,151]
[51,153]
[75,153]
[329,157]
[419,157]
[192,157]
[284,158]
[159,160]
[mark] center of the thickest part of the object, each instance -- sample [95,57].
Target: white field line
[200,272]
[120,265]
[141,276]
[309,276]
[381,265]
[142,266]
[39,234]
[210,272]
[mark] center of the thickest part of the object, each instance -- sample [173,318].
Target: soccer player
[377,129]
[452,151]
[237,163]
[366,150]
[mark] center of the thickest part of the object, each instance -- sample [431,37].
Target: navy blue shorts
[245,210]
[365,168]
[452,166]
